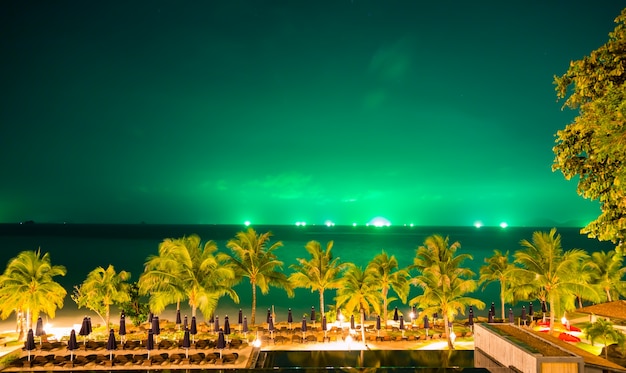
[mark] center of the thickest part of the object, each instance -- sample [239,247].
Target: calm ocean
[81,248]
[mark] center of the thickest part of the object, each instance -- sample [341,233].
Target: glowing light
[478,224]
[300,224]
[329,223]
[411,225]
[379,221]
[247,223]
[503,224]
[354,224]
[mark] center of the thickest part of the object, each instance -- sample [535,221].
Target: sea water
[82,248]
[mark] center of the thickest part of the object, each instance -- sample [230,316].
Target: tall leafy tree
[359,290]
[254,258]
[319,273]
[607,271]
[603,328]
[389,276]
[445,283]
[497,268]
[592,148]
[185,269]
[551,269]
[28,286]
[101,289]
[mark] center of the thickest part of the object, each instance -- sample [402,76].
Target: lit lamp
[452,337]
[565,322]
[349,342]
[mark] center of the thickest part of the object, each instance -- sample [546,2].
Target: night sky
[438,113]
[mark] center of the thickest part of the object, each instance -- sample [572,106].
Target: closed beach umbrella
[72,344]
[29,345]
[186,342]
[544,307]
[524,314]
[470,320]
[194,328]
[313,314]
[490,316]
[269,314]
[324,323]
[240,319]
[150,342]
[245,324]
[150,317]
[156,330]
[270,325]
[111,344]
[426,323]
[352,322]
[84,330]
[401,322]
[530,309]
[221,342]
[185,323]
[493,309]
[122,332]
[226,326]
[89,328]
[289,317]
[511,316]
[178,319]
[212,320]
[378,324]
[303,327]
[395,314]
[39,329]
[216,324]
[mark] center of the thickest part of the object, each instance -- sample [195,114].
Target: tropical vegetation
[592,149]
[185,269]
[605,330]
[101,289]
[253,257]
[28,288]
[446,285]
[320,273]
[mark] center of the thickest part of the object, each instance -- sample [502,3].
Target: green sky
[284,111]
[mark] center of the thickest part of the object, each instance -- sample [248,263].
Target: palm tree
[445,284]
[359,290]
[319,273]
[497,268]
[27,285]
[552,270]
[254,259]
[388,275]
[607,271]
[187,270]
[605,329]
[101,289]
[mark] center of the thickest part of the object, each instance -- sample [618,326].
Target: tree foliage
[319,273]
[593,147]
[101,289]
[28,286]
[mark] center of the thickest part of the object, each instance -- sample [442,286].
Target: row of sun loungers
[164,344]
[91,360]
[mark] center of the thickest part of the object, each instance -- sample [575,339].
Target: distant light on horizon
[503,224]
[247,223]
[478,224]
[300,224]
[329,223]
[379,221]
[354,224]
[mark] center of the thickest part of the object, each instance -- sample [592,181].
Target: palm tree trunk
[552,315]
[447,330]
[253,315]
[108,316]
[502,287]
[322,302]
[608,295]
[385,305]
